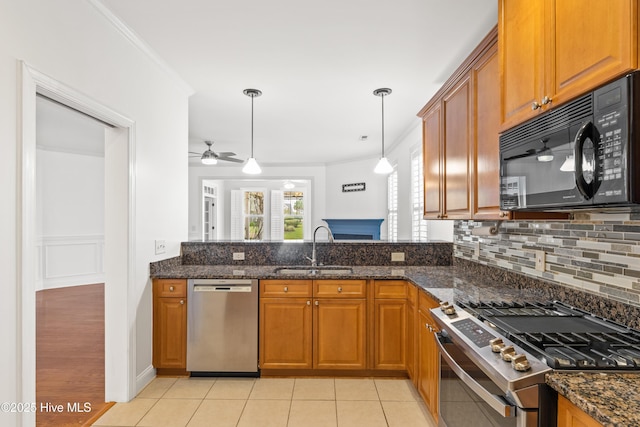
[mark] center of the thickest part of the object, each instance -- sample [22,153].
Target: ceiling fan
[210,157]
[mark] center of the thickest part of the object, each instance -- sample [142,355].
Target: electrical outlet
[541,261]
[238,256]
[161,247]
[476,248]
[397,256]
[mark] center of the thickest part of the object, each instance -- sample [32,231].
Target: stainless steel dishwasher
[222,329]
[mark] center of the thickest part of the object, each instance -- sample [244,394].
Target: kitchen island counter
[609,398]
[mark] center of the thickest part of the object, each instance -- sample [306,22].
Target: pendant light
[383,166]
[252,167]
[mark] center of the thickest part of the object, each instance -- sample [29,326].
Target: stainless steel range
[494,357]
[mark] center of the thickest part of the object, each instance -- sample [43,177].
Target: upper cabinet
[554,50]
[460,141]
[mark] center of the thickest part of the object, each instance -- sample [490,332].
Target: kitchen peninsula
[429,273]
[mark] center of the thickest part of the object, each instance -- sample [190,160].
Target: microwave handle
[495,402]
[587,130]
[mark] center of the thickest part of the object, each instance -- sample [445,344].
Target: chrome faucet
[314,261]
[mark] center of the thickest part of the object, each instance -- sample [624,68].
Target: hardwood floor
[70,355]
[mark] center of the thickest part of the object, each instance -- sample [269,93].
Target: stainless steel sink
[308,270]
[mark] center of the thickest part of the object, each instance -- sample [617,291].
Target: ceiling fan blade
[231,159]
[225,154]
[193,152]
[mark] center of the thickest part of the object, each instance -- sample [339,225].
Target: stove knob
[447,308]
[507,353]
[496,345]
[519,362]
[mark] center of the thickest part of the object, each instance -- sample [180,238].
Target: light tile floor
[277,402]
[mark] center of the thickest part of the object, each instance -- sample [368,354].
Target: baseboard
[145,378]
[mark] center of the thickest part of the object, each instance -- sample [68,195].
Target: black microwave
[583,154]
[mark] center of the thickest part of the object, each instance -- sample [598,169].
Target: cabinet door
[521,47]
[429,364]
[431,159]
[486,83]
[592,41]
[285,333]
[457,109]
[411,339]
[339,333]
[170,333]
[390,334]
[569,415]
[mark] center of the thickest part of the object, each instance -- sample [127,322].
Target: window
[418,224]
[253,214]
[392,206]
[293,215]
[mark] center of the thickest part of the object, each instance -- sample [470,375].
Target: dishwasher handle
[222,288]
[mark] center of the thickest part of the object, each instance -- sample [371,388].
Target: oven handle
[496,402]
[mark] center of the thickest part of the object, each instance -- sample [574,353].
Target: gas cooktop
[563,337]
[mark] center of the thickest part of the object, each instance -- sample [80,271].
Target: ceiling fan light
[251,167]
[383,166]
[545,157]
[208,158]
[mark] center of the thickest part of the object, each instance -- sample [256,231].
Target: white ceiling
[317,64]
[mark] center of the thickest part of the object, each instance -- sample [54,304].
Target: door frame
[120,339]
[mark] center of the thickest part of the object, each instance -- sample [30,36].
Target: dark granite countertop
[449,283]
[610,398]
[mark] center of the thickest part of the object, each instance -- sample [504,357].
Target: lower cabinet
[390,324]
[428,356]
[569,415]
[170,325]
[313,324]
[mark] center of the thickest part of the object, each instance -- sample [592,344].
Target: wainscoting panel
[70,261]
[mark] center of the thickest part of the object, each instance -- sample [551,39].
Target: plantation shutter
[277,215]
[237,226]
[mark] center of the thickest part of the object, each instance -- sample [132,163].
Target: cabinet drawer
[425,302]
[340,288]
[170,288]
[285,288]
[391,289]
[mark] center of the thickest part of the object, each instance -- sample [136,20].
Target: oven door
[468,396]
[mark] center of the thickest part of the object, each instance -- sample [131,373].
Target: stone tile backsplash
[596,253]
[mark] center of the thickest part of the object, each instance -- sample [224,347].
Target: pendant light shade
[252,167]
[383,166]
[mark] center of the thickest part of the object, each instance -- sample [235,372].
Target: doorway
[119,247]
[209,212]
[70,276]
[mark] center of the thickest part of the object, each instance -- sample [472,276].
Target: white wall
[69,219]
[70,41]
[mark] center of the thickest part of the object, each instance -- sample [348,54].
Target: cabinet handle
[546,100]
[535,105]
[317,303]
[182,301]
[286,289]
[171,288]
[443,216]
[339,289]
[308,302]
[503,214]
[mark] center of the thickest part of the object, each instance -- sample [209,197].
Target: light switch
[161,247]
[238,256]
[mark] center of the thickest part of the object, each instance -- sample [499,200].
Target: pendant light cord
[382,99]
[252,96]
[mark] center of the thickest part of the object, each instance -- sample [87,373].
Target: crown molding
[143,46]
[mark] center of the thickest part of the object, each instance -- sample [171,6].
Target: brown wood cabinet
[460,141]
[412,319]
[390,324]
[552,51]
[313,324]
[428,363]
[569,415]
[170,325]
